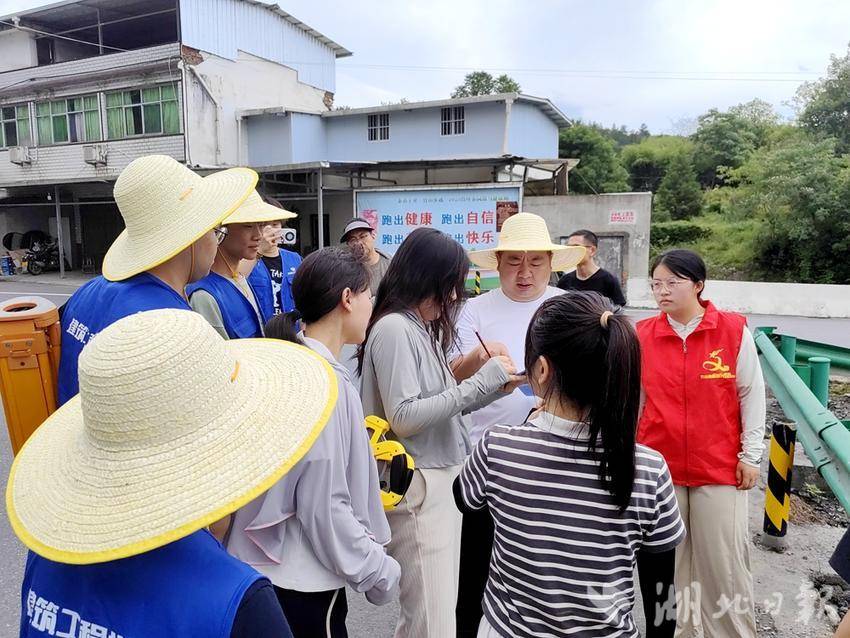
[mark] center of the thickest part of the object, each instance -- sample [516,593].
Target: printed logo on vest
[715,366]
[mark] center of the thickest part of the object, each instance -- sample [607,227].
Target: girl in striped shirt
[576,503]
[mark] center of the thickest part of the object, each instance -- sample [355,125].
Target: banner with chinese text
[470,215]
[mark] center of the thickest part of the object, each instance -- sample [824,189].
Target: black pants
[314,614]
[476,543]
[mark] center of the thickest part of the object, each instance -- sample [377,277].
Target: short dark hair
[588,235]
[683,263]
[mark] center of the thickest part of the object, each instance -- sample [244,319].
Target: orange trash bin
[29,364]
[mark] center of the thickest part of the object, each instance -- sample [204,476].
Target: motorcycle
[42,257]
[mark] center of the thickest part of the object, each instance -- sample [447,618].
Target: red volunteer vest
[692,414]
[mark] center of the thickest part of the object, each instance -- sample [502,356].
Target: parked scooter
[42,257]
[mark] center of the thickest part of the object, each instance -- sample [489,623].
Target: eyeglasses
[220,234]
[658,285]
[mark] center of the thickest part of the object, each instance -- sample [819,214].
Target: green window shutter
[153,118]
[60,129]
[45,131]
[170,118]
[114,123]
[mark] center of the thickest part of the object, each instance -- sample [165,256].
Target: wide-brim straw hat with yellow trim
[527,232]
[173,429]
[255,210]
[166,208]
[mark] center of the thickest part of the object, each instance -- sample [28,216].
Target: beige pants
[426,542]
[713,572]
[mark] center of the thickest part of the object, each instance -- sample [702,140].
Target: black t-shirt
[260,614]
[601,281]
[275,266]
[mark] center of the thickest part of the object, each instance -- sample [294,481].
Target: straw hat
[173,429]
[166,208]
[526,232]
[254,209]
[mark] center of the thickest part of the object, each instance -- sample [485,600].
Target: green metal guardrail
[840,357]
[825,439]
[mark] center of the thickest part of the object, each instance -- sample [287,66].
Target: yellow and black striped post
[777,496]
[477,286]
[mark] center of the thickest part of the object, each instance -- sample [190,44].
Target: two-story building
[86,86]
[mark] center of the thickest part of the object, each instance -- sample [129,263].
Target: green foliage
[647,160]
[726,246]
[620,135]
[679,194]
[482,83]
[825,104]
[664,235]
[800,190]
[599,170]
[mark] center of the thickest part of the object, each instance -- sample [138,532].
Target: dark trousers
[314,614]
[476,543]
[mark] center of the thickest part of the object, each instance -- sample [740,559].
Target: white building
[86,86]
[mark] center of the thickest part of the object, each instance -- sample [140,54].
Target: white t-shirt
[498,318]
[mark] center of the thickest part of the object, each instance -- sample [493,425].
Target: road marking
[35,294]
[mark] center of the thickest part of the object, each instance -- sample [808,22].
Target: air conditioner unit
[20,155]
[95,154]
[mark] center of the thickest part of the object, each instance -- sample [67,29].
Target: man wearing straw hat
[235,306]
[170,214]
[174,428]
[525,258]
[274,266]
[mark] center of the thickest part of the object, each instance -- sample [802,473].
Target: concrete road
[365,620]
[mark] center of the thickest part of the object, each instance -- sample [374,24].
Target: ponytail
[595,358]
[284,327]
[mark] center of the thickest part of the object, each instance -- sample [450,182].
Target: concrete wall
[269,140]
[64,163]
[763,298]
[415,135]
[566,213]
[238,85]
[531,133]
[17,51]
[309,142]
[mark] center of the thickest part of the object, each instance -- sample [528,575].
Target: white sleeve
[751,395]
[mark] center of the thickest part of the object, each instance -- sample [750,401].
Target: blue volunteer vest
[240,318]
[190,588]
[99,304]
[261,278]
[261,283]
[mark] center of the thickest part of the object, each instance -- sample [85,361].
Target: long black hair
[683,263]
[429,265]
[317,289]
[596,367]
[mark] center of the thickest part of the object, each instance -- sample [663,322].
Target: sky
[623,62]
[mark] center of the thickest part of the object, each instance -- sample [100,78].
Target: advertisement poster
[472,216]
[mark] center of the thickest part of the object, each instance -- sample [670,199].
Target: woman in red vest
[704,410]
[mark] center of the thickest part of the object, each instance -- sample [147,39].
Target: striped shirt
[563,554]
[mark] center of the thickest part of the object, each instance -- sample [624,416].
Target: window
[73,119]
[452,120]
[14,126]
[151,111]
[379,127]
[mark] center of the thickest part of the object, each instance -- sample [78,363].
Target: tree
[726,139]
[620,135]
[825,105]
[679,194]
[800,189]
[599,170]
[647,161]
[482,83]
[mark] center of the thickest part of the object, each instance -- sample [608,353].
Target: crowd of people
[199,481]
